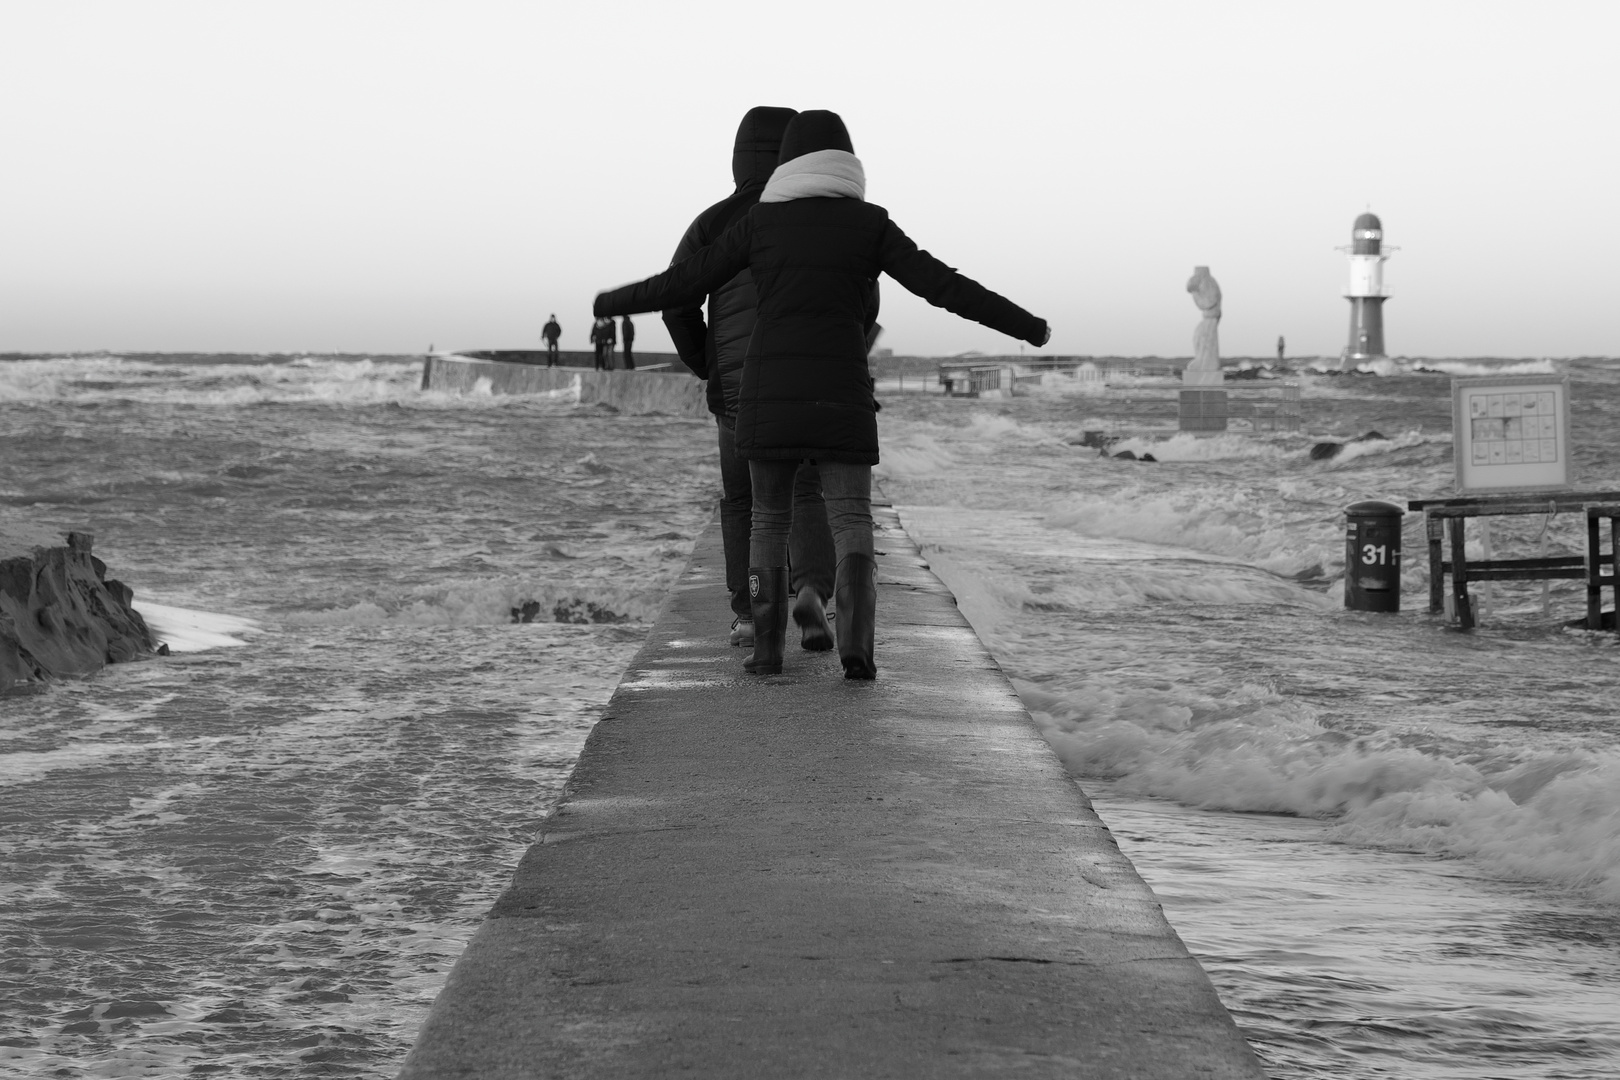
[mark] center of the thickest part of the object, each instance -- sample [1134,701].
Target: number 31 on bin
[1378,555]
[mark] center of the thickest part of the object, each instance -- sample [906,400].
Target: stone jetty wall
[60,615]
[801,876]
[636,392]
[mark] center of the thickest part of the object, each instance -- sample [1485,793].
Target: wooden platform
[1597,567]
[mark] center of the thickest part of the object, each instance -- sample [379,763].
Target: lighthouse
[1366,295]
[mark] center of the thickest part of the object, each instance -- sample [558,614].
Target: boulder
[60,615]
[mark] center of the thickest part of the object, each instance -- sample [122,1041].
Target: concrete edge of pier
[800,876]
[634,392]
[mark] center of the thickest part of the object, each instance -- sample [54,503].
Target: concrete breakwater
[60,615]
[580,359]
[806,877]
[635,392]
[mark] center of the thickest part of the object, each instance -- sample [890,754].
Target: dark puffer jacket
[715,348]
[805,390]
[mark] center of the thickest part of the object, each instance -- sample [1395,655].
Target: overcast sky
[358,176]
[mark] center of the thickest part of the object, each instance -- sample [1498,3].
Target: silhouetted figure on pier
[550,333]
[815,246]
[629,340]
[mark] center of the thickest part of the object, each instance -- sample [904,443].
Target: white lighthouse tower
[1366,295]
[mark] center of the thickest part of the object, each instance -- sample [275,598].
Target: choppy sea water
[262,861]
[1395,848]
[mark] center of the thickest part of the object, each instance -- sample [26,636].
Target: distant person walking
[1280,344]
[814,247]
[550,333]
[715,348]
[629,340]
[602,337]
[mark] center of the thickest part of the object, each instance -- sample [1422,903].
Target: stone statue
[1205,369]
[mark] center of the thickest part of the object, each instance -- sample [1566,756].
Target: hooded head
[812,130]
[759,141]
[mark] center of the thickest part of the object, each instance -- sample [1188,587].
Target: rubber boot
[811,616]
[767,592]
[856,599]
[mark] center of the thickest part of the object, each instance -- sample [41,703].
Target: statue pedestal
[1192,376]
[1203,410]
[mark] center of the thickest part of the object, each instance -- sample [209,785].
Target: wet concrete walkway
[799,876]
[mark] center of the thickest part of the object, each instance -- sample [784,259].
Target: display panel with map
[1511,433]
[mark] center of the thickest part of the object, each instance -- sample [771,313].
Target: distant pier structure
[1367,254]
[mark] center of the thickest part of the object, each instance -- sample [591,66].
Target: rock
[59,615]
[1323,451]
[1125,455]
[1097,440]
[581,612]
[1147,457]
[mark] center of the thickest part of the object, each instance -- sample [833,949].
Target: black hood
[759,141]
[815,129]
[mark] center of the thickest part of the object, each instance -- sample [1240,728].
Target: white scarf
[820,174]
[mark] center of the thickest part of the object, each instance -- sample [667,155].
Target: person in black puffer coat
[814,246]
[714,349]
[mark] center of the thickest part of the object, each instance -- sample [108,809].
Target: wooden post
[1614,569]
[1436,528]
[1594,570]
[1459,576]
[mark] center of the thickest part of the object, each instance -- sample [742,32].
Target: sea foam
[185,630]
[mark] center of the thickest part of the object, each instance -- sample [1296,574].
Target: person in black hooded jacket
[814,247]
[714,349]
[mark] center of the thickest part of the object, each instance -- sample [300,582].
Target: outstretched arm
[685,323]
[942,286]
[688,281]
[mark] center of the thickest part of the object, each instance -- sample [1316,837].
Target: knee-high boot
[811,617]
[767,594]
[856,598]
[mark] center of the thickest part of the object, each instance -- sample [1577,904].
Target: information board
[1511,433]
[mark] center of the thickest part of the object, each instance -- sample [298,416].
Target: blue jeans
[810,545]
[847,490]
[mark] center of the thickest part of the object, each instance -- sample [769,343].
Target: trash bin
[1372,556]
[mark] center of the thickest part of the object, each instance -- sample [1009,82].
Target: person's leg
[811,560]
[848,492]
[810,543]
[772,483]
[736,521]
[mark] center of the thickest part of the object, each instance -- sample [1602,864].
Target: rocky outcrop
[60,615]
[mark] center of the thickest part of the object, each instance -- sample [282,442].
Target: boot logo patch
[753,586]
